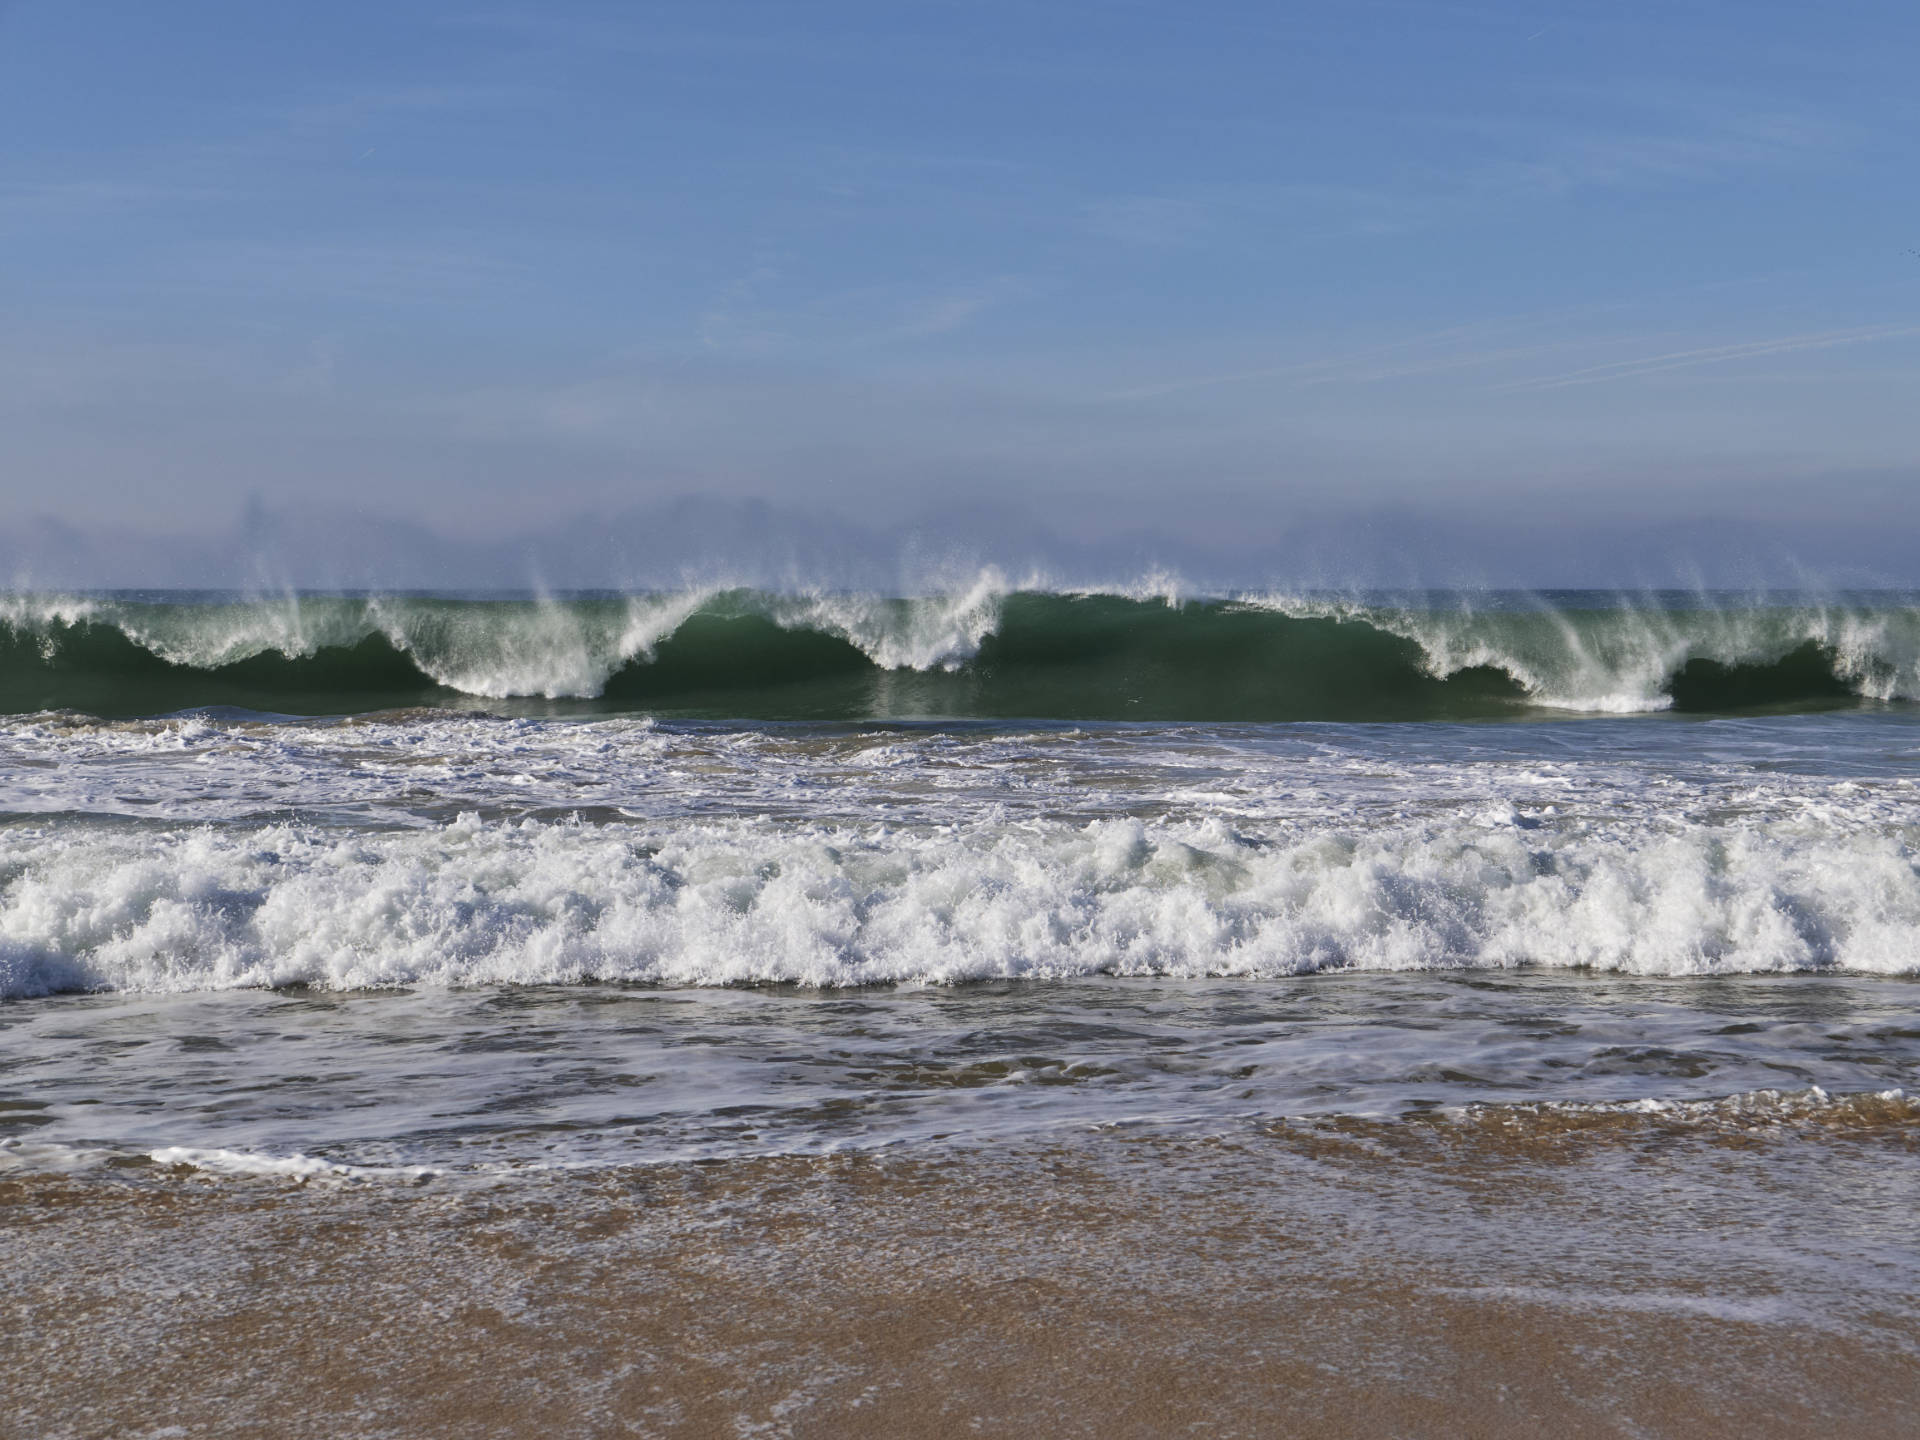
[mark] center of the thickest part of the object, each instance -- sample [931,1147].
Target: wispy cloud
[65,201]
[749,318]
[192,172]
[1455,348]
[1483,167]
[1637,141]
[655,31]
[355,108]
[1714,355]
[944,313]
[1152,221]
[418,270]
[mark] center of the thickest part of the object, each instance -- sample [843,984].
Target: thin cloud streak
[1362,366]
[1712,355]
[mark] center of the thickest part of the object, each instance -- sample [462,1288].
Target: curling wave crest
[987,648]
[538,646]
[112,907]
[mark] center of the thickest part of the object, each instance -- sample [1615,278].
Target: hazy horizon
[691,541]
[576,295]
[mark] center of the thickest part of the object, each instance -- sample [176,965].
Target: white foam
[544,647]
[50,1156]
[237,1162]
[289,1167]
[1612,660]
[1618,660]
[1767,1311]
[550,649]
[30,613]
[1747,1109]
[1169,587]
[930,632]
[731,901]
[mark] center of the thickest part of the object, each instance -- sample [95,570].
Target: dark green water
[986,654]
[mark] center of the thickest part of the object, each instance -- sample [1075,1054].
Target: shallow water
[509,1077]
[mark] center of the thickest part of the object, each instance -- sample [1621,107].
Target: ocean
[1546,961]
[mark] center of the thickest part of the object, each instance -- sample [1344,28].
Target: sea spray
[983,649]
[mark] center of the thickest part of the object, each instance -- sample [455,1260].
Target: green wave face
[988,652]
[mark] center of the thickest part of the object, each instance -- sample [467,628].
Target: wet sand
[1527,1276]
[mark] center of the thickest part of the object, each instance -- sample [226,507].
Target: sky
[1542,293]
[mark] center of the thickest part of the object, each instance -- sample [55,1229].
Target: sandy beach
[1519,1274]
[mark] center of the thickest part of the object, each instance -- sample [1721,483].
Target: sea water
[471,884]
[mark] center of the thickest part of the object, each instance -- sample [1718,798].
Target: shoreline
[1549,1274]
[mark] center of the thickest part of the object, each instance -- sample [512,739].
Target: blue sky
[1191,271]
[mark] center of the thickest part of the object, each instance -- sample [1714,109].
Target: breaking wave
[116,907]
[988,650]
